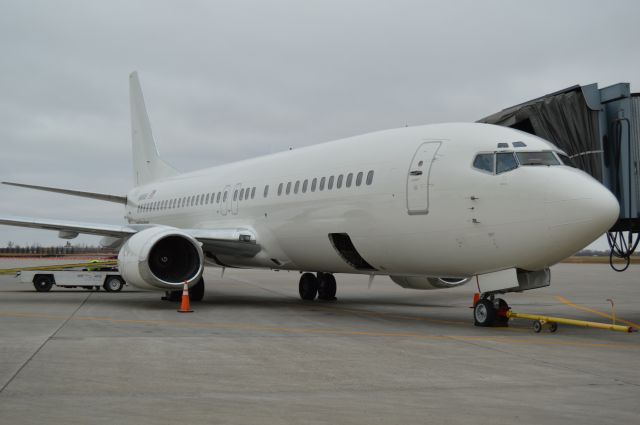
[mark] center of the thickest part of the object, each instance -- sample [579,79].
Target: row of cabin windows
[250,192]
[322,182]
[195,200]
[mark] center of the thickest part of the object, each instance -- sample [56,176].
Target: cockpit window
[505,161]
[484,161]
[566,160]
[537,158]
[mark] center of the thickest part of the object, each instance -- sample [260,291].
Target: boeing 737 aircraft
[433,207]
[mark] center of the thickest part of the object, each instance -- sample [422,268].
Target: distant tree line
[67,249]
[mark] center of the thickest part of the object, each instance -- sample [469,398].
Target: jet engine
[423,282]
[161,258]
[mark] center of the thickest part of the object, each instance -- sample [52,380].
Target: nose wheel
[489,311]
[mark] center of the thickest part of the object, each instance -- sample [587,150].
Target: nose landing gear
[490,311]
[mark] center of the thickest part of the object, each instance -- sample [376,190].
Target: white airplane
[432,207]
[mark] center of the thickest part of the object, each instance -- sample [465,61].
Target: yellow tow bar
[539,321]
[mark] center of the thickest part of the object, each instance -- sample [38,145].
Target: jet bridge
[600,130]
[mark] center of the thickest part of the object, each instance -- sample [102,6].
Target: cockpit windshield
[566,160]
[537,158]
[501,162]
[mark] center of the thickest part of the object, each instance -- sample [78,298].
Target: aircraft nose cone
[603,208]
[580,210]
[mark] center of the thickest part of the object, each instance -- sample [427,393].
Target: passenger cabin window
[314,183]
[322,180]
[296,187]
[537,158]
[253,192]
[288,188]
[349,179]
[266,191]
[330,183]
[359,178]
[339,182]
[505,161]
[280,189]
[304,186]
[369,178]
[484,162]
[246,194]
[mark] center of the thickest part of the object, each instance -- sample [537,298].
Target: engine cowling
[423,282]
[161,258]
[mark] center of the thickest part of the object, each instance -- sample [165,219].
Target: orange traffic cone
[476,298]
[184,306]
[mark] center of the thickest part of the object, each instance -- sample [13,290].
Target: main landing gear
[323,285]
[196,293]
[490,311]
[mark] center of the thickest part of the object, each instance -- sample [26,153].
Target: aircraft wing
[112,230]
[235,241]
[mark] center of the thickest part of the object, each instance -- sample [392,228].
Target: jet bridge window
[484,162]
[505,161]
[537,158]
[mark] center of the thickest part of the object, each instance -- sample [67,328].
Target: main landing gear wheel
[326,287]
[308,286]
[491,312]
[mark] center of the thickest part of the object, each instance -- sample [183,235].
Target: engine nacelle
[161,258]
[423,282]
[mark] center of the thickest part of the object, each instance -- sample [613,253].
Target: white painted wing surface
[235,241]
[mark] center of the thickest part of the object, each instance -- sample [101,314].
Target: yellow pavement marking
[596,312]
[534,340]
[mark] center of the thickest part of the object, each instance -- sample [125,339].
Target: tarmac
[253,352]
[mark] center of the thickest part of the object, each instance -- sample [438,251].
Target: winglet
[147,165]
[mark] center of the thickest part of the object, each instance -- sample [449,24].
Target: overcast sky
[230,80]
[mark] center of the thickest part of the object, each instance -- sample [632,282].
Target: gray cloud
[230,80]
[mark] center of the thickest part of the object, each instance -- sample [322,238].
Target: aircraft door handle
[415,173]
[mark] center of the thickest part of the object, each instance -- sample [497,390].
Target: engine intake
[161,258]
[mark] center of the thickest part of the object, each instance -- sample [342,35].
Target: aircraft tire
[196,293]
[308,286]
[484,313]
[326,287]
[42,283]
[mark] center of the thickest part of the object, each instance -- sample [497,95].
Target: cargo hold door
[418,178]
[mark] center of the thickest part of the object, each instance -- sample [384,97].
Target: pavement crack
[49,338]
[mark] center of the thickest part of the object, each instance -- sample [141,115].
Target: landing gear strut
[323,285]
[491,311]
